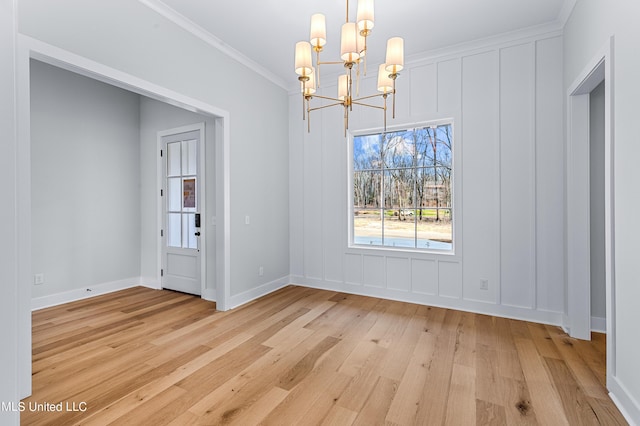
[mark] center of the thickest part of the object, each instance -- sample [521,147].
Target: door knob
[197,234]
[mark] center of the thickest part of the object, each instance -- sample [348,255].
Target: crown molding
[498,41]
[186,24]
[565,12]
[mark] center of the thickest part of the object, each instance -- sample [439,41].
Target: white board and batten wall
[506,103]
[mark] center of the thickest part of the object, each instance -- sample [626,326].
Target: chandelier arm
[350,92]
[358,79]
[328,98]
[384,96]
[365,56]
[394,96]
[368,97]
[346,120]
[330,63]
[367,105]
[308,99]
[346,19]
[325,106]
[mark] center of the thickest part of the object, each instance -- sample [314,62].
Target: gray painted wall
[596,159]
[148,46]
[85,181]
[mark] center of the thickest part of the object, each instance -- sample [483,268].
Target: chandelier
[353,49]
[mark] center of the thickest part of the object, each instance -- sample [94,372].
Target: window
[402,188]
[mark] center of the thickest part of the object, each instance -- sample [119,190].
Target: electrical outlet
[247,220]
[38,279]
[484,284]
[261,271]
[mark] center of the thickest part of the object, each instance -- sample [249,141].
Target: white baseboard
[82,293]
[150,282]
[599,325]
[209,294]
[627,405]
[254,293]
[504,311]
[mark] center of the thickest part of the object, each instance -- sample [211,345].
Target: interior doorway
[29,48]
[595,82]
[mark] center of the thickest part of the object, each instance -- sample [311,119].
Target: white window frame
[456,213]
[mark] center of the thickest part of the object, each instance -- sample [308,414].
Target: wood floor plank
[592,355]
[302,368]
[436,388]
[490,414]
[339,416]
[377,405]
[307,356]
[408,397]
[581,370]
[401,349]
[461,405]
[261,408]
[544,396]
[230,399]
[355,395]
[573,399]
[139,396]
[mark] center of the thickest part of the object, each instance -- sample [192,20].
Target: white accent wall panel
[374,271]
[480,178]
[398,274]
[549,146]
[517,163]
[449,88]
[424,98]
[424,276]
[450,279]
[334,160]
[353,269]
[507,117]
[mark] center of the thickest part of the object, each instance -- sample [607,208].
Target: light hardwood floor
[303,356]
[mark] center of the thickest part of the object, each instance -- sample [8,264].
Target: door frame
[201,196]
[577,218]
[28,48]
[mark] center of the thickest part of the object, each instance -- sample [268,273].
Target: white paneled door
[181,212]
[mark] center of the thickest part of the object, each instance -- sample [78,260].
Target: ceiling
[263,33]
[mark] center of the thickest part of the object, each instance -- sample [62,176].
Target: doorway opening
[590,195]
[28,49]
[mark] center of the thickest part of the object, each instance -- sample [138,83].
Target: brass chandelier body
[353,49]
